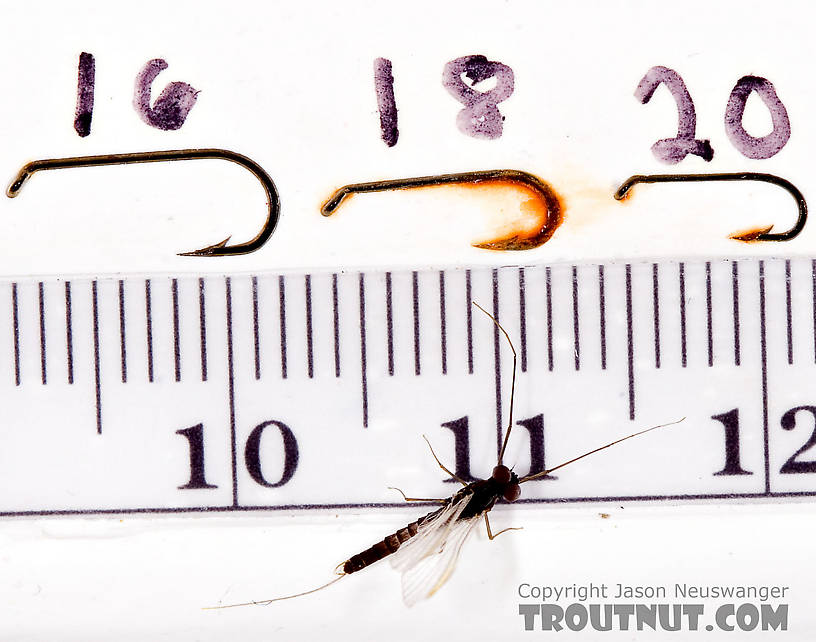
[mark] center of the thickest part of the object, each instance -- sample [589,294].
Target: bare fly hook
[761,234]
[549,208]
[217,249]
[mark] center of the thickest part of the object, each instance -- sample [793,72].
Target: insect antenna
[512,385]
[592,452]
[275,599]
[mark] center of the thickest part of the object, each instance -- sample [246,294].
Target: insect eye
[501,474]
[512,492]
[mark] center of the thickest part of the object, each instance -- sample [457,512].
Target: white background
[291,86]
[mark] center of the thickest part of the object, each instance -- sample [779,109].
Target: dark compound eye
[512,492]
[501,474]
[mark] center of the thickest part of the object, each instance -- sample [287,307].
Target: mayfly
[425,551]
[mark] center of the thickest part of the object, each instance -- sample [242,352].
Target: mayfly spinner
[425,551]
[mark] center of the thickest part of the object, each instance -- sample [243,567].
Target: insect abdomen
[381,549]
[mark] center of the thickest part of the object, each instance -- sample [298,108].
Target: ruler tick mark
[630,348]
[709,315]
[336,320]
[202,318]
[41,301]
[389,323]
[255,332]
[309,343]
[16,328]
[282,305]
[149,331]
[176,331]
[415,293]
[122,332]
[97,374]
[523,318]
[788,309]
[548,281]
[231,391]
[497,360]
[576,333]
[363,374]
[443,333]
[681,274]
[656,311]
[69,335]
[736,299]
[602,318]
[763,352]
[469,319]
[813,278]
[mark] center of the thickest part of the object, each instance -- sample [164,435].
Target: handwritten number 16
[168,112]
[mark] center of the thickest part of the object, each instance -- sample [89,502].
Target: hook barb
[760,234]
[549,205]
[218,249]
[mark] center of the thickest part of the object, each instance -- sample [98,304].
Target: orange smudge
[751,235]
[541,206]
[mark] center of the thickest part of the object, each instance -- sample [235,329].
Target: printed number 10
[252,457]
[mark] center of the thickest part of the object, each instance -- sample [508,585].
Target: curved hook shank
[762,234]
[549,205]
[217,249]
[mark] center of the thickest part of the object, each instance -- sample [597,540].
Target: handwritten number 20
[673,150]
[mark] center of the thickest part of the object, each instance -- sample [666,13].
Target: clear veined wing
[430,536]
[427,560]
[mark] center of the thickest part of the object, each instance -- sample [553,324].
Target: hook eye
[547,205]
[217,249]
[760,234]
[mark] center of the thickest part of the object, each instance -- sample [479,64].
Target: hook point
[210,250]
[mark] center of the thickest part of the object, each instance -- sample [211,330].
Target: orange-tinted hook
[550,210]
[218,249]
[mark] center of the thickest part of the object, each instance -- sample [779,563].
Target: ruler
[253,391]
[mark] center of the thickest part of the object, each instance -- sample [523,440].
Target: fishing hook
[761,234]
[217,249]
[550,213]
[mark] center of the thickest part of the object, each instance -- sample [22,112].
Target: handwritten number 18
[480,118]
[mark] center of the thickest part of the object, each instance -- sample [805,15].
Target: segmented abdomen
[384,548]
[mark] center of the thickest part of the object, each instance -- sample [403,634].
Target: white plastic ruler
[240,392]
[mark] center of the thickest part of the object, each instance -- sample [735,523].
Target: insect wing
[427,560]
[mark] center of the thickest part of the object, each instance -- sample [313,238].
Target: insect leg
[417,499]
[441,465]
[504,530]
